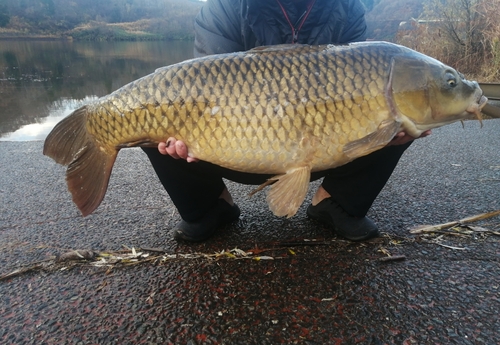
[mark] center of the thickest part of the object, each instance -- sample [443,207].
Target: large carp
[285,110]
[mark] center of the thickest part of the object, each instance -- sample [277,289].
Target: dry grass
[465,36]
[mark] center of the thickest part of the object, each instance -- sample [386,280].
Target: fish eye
[451,79]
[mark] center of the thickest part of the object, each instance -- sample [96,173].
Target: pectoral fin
[288,191]
[374,141]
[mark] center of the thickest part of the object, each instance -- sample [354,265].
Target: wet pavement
[274,281]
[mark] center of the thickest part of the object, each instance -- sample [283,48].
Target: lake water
[43,81]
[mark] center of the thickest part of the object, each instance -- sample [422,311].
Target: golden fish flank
[285,110]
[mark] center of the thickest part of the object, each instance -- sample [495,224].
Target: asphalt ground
[273,280]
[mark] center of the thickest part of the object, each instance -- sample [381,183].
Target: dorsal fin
[286,48]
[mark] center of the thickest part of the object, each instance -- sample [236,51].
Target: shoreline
[70,38]
[35,38]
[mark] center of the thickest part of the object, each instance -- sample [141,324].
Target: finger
[406,138]
[171,148]
[400,139]
[396,138]
[426,133]
[181,149]
[192,159]
[162,147]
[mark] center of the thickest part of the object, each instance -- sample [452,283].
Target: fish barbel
[286,110]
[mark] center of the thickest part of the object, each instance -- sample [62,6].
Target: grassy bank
[142,30]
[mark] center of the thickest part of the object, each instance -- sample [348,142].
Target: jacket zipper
[300,22]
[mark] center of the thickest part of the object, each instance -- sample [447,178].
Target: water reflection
[39,130]
[43,81]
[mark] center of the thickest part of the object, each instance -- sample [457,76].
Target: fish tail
[89,165]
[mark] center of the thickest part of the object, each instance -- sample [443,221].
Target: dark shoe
[222,213]
[345,225]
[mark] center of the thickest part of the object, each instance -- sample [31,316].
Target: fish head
[428,94]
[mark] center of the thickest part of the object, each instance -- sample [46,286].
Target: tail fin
[90,166]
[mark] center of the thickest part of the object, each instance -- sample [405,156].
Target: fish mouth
[482,101]
[475,108]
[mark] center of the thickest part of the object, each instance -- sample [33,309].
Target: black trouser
[195,187]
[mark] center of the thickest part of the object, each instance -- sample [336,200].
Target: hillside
[99,20]
[151,19]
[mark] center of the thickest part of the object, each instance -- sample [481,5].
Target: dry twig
[434,228]
[392,258]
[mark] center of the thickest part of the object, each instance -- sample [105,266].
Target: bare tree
[491,40]
[462,33]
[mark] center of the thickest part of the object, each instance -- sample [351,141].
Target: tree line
[163,18]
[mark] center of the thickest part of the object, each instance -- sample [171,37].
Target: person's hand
[176,149]
[402,138]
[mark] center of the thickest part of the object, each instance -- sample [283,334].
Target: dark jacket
[225,26]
